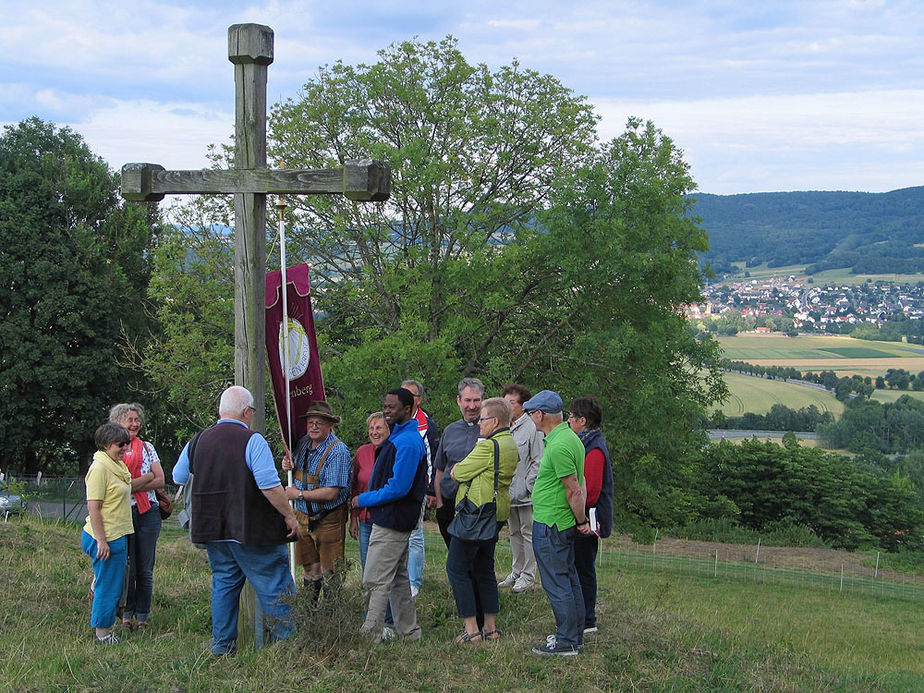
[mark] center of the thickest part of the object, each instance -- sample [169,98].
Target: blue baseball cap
[545,401]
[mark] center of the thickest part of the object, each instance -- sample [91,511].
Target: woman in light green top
[470,564]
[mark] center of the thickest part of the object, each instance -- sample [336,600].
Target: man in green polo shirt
[558,516]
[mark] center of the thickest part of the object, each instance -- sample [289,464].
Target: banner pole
[281,209]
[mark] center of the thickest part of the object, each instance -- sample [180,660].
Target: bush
[327,627]
[782,533]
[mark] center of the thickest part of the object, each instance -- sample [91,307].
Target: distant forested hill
[867,232]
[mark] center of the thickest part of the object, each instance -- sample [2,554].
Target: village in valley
[790,303]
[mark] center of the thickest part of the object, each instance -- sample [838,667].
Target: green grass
[797,624]
[660,630]
[758,395]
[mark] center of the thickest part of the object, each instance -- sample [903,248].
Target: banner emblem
[299,348]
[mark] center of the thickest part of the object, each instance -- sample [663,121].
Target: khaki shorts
[322,541]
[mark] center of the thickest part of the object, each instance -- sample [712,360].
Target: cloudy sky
[761,96]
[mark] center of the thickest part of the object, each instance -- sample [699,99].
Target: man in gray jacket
[529,447]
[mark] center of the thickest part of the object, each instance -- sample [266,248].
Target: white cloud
[785,95]
[174,135]
[851,140]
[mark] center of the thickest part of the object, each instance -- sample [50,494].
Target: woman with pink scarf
[141,459]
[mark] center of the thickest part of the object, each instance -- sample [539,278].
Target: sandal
[141,625]
[469,638]
[492,634]
[127,624]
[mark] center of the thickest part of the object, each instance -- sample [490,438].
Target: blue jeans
[110,579]
[267,569]
[470,569]
[555,557]
[416,555]
[585,558]
[365,529]
[141,548]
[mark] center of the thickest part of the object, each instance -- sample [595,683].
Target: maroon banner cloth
[305,382]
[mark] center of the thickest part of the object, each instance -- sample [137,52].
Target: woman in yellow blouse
[109,522]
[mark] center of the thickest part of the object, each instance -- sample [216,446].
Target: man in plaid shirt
[321,487]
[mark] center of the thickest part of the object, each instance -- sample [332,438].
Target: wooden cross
[250,48]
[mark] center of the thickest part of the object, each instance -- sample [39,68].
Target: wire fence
[64,498]
[817,569]
[60,498]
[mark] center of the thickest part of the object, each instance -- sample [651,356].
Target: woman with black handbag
[484,477]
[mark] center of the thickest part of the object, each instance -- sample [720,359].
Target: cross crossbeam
[361,181]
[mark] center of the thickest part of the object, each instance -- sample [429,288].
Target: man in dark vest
[242,516]
[396,491]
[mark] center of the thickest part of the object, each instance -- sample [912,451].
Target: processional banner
[305,382]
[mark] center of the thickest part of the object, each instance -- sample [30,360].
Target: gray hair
[373,416]
[120,410]
[415,383]
[234,401]
[499,407]
[473,383]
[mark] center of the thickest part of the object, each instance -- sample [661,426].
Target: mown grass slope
[658,630]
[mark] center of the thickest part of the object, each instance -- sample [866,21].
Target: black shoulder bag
[477,522]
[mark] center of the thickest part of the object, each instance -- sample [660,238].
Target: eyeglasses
[533,411]
[485,418]
[251,408]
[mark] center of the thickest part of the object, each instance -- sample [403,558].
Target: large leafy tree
[72,279]
[617,256]
[473,154]
[513,247]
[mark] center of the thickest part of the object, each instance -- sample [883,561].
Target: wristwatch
[585,522]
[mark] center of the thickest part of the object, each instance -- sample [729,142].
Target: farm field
[816,348]
[758,395]
[844,355]
[834,276]
[892,395]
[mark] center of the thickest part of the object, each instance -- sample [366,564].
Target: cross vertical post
[250,49]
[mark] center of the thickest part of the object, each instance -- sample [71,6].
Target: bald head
[236,403]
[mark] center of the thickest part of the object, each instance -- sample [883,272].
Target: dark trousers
[444,515]
[470,568]
[142,546]
[585,559]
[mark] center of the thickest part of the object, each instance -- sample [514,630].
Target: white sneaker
[508,581]
[590,630]
[522,584]
[388,633]
[414,592]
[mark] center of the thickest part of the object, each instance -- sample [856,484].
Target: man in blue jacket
[396,492]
